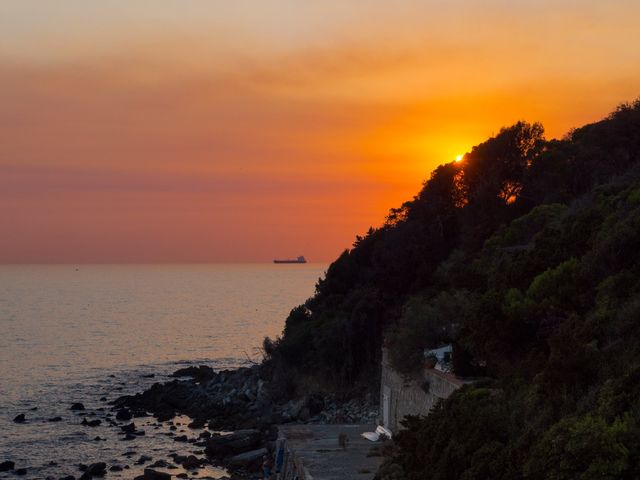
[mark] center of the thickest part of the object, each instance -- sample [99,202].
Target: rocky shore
[241,413]
[208,422]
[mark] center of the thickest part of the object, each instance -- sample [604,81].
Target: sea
[91,333]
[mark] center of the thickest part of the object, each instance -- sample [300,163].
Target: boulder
[247,458]
[123,414]
[55,419]
[7,466]
[199,374]
[143,459]
[91,423]
[296,407]
[77,406]
[130,428]
[192,462]
[98,469]
[197,423]
[20,471]
[20,418]
[150,474]
[238,442]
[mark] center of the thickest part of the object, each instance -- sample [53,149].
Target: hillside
[525,255]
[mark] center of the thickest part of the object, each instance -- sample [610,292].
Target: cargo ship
[300,259]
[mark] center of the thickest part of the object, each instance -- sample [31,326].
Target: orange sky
[172,131]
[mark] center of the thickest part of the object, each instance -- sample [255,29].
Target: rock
[143,459]
[304,414]
[20,471]
[247,458]
[191,462]
[181,438]
[199,374]
[149,375]
[160,464]
[123,414]
[197,423]
[164,415]
[97,469]
[272,434]
[182,475]
[103,399]
[7,466]
[20,418]
[77,406]
[68,477]
[55,419]
[91,423]
[237,442]
[115,468]
[150,474]
[130,428]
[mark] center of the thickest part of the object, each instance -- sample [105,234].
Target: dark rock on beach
[91,423]
[252,457]
[199,374]
[7,466]
[150,474]
[124,414]
[129,428]
[193,462]
[20,418]
[20,471]
[77,406]
[55,419]
[238,442]
[143,459]
[98,469]
[197,423]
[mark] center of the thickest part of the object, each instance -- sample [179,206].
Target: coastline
[213,424]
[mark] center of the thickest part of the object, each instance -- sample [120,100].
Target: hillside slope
[525,255]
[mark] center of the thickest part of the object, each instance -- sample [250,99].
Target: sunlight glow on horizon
[246,131]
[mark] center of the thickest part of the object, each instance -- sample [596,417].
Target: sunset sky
[205,131]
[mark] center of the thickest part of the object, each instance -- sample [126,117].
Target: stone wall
[401,396]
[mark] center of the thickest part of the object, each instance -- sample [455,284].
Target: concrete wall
[400,396]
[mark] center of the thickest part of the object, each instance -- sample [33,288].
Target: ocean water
[82,333]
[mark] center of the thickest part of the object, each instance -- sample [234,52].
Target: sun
[459,157]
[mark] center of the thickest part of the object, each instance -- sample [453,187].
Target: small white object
[383,431]
[375,436]
[371,436]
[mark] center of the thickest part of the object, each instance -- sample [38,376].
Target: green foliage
[554,310]
[426,323]
[584,448]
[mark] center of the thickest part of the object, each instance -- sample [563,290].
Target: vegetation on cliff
[525,255]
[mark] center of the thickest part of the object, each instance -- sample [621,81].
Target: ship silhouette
[300,259]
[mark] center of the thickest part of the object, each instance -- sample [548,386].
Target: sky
[217,131]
